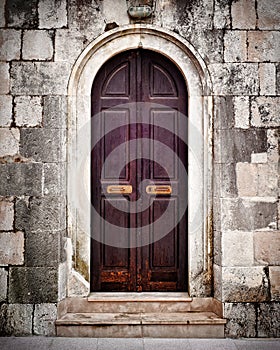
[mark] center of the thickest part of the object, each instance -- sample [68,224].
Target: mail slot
[119,189]
[159,189]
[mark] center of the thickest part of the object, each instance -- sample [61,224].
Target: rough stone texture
[9,145]
[225,180]
[241,320]
[247,215]
[266,111]
[65,52]
[267,74]
[241,112]
[21,179]
[259,158]
[30,285]
[267,247]
[21,14]
[217,272]
[268,180]
[222,14]
[43,145]
[2,14]
[237,248]
[274,276]
[44,319]
[10,42]
[264,46]
[54,179]
[243,14]
[41,214]
[120,17]
[47,78]
[62,280]
[3,285]
[28,110]
[55,112]
[268,320]
[6,105]
[5,78]
[278,79]
[269,14]
[6,214]
[244,284]
[37,45]
[52,13]
[11,248]
[223,112]
[235,46]
[234,78]
[18,320]
[273,145]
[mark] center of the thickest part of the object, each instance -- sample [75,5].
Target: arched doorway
[139,168]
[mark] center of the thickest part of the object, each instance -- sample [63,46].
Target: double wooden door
[136,179]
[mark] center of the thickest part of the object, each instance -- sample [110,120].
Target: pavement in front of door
[48,343]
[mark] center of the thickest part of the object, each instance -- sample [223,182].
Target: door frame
[77,271]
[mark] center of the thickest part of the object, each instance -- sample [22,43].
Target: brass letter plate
[160,189]
[119,189]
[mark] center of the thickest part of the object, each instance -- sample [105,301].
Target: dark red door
[139,235]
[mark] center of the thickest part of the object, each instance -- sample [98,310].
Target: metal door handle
[160,189]
[119,189]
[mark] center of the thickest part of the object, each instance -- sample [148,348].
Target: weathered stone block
[120,16]
[6,214]
[241,320]
[278,79]
[266,111]
[274,276]
[222,14]
[44,319]
[62,280]
[234,78]
[5,78]
[237,248]
[21,14]
[41,214]
[11,248]
[9,145]
[65,52]
[43,145]
[33,285]
[10,42]
[268,14]
[267,74]
[241,112]
[267,247]
[243,14]
[268,320]
[52,13]
[247,179]
[244,284]
[54,179]
[19,320]
[273,147]
[259,158]
[21,179]
[39,78]
[246,215]
[55,112]
[28,110]
[3,285]
[37,45]
[6,106]
[235,46]
[2,14]
[264,46]
[268,180]
[223,112]
[217,274]
[225,180]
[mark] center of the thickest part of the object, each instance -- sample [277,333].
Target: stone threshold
[139,297]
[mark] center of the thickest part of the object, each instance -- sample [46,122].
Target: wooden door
[138,95]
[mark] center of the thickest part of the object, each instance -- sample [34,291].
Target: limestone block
[247,215]
[33,285]
[6,106]
[241,112]
[44,319]
[223,112]
[120,15]
[259,158]
[243,14]
[269,14]
[225,179]
[22,14]
[9,145]
[274,276]
[241,320]
[37,45]
[234,78]
[62,280]
[52,13]
[21,179]
[235,46]
[267,75]
[268,320]
[222,14]
[267,180]
[237,248]
[247,179]
[6,214]
[39,78]
[54,179]
[28,110]
[278,79]
[266,111]
[264,46]
[244,284]
[41,214]
[11,248]
[10,42]
[43,145]
[267,247]
[55,112]
[217,271]
[19,320]
[273,146]
[3,284]
[65,52]
[2,14]
[5,78]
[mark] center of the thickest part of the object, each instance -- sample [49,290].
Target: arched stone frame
[198,82]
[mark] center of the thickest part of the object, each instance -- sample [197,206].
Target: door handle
[119,189]
[159,189]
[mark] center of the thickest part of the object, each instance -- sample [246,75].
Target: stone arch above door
[198,82]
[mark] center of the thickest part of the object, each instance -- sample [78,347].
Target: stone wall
[239,40]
